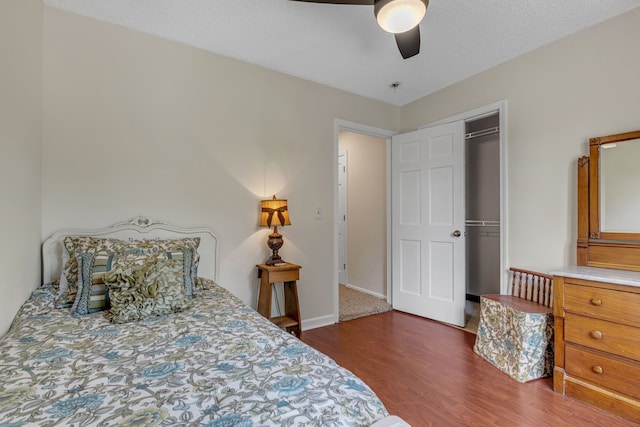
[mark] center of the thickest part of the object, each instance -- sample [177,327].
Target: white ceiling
[343,47]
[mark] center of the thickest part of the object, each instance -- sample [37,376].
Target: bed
[215,362]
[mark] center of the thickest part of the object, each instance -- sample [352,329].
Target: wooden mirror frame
[598,248]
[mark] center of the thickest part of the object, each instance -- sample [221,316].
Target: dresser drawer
[614,374]
[621,340]
[621,307]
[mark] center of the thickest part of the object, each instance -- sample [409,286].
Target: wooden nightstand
[288,274]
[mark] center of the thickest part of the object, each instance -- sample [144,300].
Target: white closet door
[428,222]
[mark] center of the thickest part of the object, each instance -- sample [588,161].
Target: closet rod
[483,132]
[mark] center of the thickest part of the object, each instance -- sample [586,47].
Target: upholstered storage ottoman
[515,337]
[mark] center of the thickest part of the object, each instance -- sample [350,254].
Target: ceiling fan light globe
[399,16]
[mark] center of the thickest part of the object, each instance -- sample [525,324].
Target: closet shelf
[482,223]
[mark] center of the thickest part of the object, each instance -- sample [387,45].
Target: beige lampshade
[274,212]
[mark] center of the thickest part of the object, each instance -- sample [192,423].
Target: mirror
[609,203]
[619,186]
[613,206]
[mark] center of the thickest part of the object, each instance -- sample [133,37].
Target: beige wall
[20,153]
[366,211]
[138,125]
[558,96]
[132,124]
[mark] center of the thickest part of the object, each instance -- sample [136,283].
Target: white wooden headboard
[137,228]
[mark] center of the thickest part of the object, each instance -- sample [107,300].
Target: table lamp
[274,212]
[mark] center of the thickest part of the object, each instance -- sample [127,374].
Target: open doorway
[483,216]
[362,222]
[498,108]
[353,274]
[482,190]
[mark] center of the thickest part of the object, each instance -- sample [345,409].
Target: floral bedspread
[219,363]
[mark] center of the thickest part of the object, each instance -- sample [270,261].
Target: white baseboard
[367,291]
[317,322]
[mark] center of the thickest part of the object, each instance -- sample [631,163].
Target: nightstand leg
[291,306]
[264,296]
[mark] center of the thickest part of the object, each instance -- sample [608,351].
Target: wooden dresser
[597,338]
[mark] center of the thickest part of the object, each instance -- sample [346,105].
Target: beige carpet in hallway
[354,304]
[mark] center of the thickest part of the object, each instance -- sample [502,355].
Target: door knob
[456,233]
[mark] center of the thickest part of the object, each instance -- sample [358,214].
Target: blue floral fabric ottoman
[518,343]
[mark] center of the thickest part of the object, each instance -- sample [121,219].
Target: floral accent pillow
[75,245]
[93,295]
[153,288]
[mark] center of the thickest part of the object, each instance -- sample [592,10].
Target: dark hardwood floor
[427,373]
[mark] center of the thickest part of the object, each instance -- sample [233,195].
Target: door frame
[345,125]
[499,107]
[345,234]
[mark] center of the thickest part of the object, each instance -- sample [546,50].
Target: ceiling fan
[400,17]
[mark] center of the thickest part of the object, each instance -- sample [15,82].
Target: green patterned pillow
[153,288]
[75,245]
[93,295]
[123,261]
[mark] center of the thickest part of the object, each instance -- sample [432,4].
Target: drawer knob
[597,369]
[596,335]
[596,301]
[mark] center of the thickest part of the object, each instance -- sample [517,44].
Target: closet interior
[482,163]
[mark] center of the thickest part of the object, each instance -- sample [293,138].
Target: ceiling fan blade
[363,2]
[409,42]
